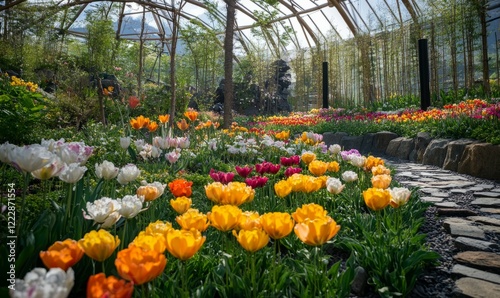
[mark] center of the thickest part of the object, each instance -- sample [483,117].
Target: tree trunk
[484,43]
[228,62]
[141,54]
[175,33]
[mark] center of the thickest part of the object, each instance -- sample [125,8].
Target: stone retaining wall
[464,156]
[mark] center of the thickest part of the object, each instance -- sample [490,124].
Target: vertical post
[423,63]
[325,85]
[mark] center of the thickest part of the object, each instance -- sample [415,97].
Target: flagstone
[487,194]
[488,202]
[431,199]
[488,261]
[475,273]
[473,287]
[459,191]
[490,210]
[485,220]
[447,205]
[465,243]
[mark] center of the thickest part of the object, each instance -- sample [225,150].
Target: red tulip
[243,171]
[256,181]
[221,177]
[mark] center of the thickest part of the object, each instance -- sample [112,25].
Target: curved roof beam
[411,10]
[343,14]
[303,24]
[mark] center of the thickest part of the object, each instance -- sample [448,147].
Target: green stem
[183,279]
[124,233]
[252,264]
[103,268]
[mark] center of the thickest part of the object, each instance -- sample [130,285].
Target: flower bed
[211,213]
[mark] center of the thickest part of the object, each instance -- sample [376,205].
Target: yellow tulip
[309,211]
[181,204]
[377,198]
[150,242]
[317,167]
[149,192]
[296,181]
[381,181]
[277,224]
[317,231]
[224,218]
[214,191]
[252,240]
[308,157]
[233,193]
[158,227]
[249,220]
[380,169]
[333,166]
[183,244]
[372,161]
[99,245]
[311,184]
[193,219]
[283,188]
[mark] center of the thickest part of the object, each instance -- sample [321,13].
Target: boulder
[454,153]
[332,138]
[481,160]
[351,142]
[366,144]
[393,146]
[405,148]
[421,142]
[435,152]
[381,141]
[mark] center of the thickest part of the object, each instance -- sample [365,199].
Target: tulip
[182,125]
[372,161]
[152,126]
[147,241]
[98,286]
[334,149]
[173,156]
[111,220]
[30,158]
[283,188]
[101,209]
[214,191]
[62,254]
[125,142]
[222,177]
[333,166]
[183,244]
[139,122]
[256,181]
[133,102]
[249,220]
[139,144]
[106,170]
[181,204]
[377,198]
[180,188]
[128,174]
[244,171]
[130,206]
[191,115]
[148,192]
[310,184]
[307,157]
[317,167]
[348,155]
[357,160]
[183,142]
[349,176]
[252,240]
[158,227]
[139,266]
[379,170]
[381,181]
[53,169]
[6,150]
[334,185]
[164,118]
[317,231]
[290,171]
[72,173]
[290,161]
[283,135]
[56,283]
[193,219]
[99,245]
[309,211]
[399,196]
[277,224]
[74,152]
[224,218]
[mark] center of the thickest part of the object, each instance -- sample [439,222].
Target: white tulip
[128,174]
[334,185]
[101,209]
[106,170]
[72,173]
[130,206]
[39,283]
[399,196]
[53,169]
[30,158]
[125,142]
[349,176]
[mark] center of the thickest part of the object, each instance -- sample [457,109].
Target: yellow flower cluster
[233,193]
[299,183]
[18,82]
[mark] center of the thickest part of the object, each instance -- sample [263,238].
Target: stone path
[467,209]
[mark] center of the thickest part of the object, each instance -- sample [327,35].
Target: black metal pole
[423,63]
[325,85]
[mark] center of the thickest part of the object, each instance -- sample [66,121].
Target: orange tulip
[139,122]
[283,135]
[139,266]
[181,204]
[252,240]
[62,254]
[372,161]
[182,125]
[377,198]
[183,244]
[309,211]
[133,102]
[152,126]
[224,218]
[180,188]
[193,219]
[307,157]
[380,169]
[164,118]
[149,192]
[191,114]
[317,167]
[98,286]
[317,231]
[277,224]
[333,167]
[381,181]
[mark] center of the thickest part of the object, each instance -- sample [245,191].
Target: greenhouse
[251,148]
